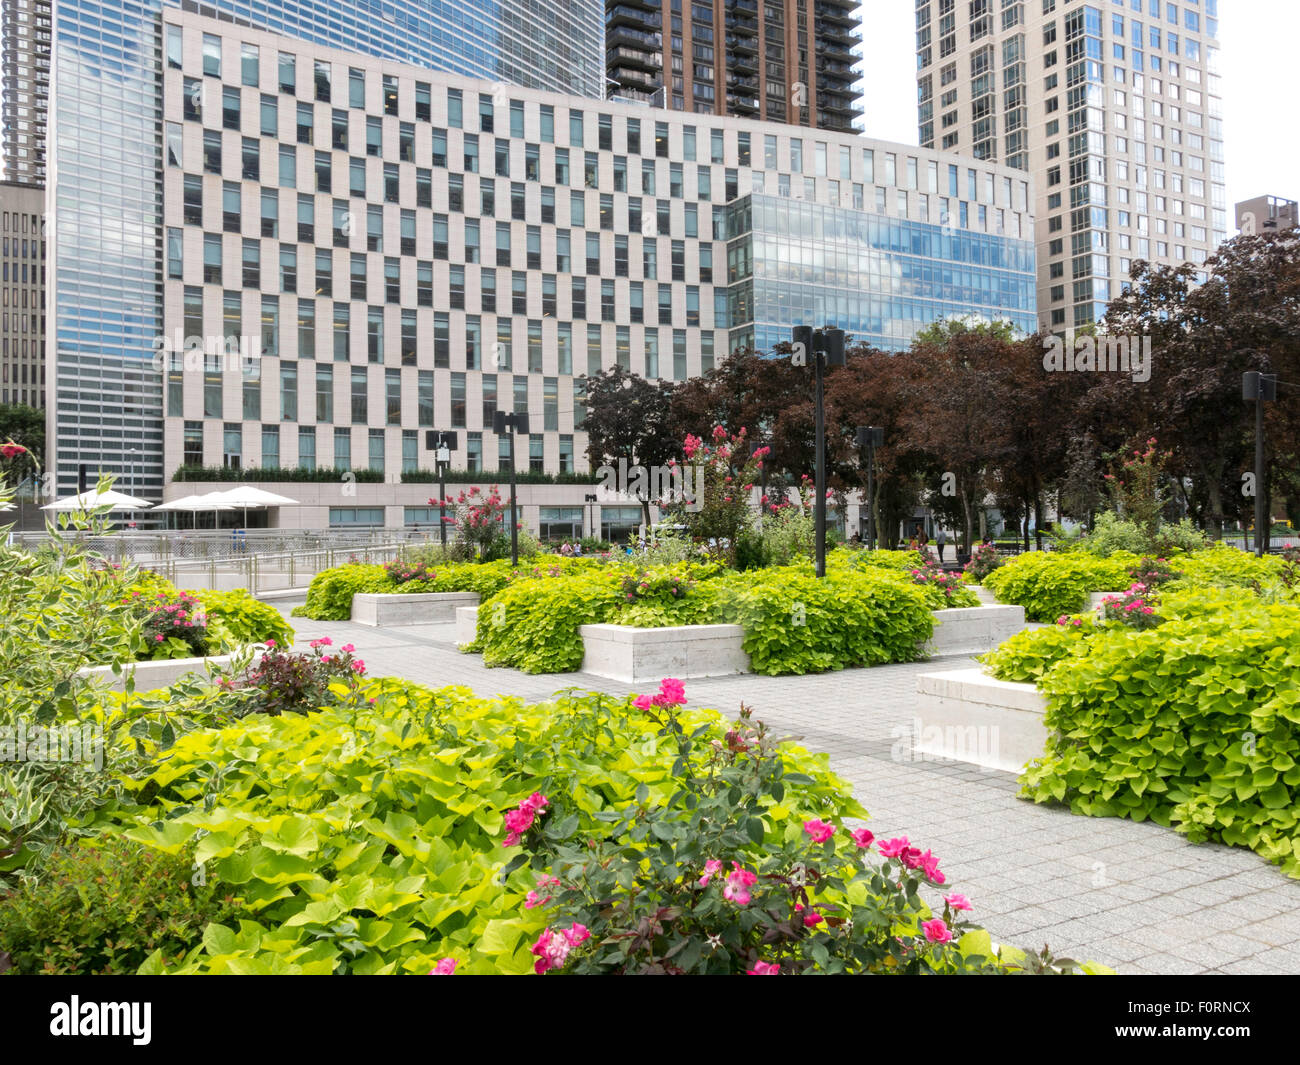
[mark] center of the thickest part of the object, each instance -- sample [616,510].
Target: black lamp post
[514,424]
[871,437]
[590,498]
[826,347]
[1261,387]
[442,444]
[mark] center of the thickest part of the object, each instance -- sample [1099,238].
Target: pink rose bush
[716,881]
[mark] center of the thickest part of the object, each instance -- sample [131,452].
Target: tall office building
[1115,110]
[782,60]
[105,114]
[22,277]
[356,251]
[24,87]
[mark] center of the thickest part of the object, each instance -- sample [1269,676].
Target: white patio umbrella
[194,504]
[245,496]
[93,499]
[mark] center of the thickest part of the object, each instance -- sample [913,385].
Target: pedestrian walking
[940,541]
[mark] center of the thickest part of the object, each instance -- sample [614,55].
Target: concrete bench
[973,629]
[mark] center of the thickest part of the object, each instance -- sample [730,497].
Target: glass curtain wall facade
[105,118]
[880,279]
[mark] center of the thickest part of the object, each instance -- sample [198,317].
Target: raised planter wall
[635,656]
[967,716]
[422,608]
[466,624]
[973,629]
[160,674]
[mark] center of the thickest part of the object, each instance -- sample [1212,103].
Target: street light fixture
[826,347]
[1261,387]
[513,424]
[442,444]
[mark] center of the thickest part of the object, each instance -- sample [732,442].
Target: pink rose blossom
[812,919]
[930,865]
[764,968]
[739,882]
[820,831]
[862,837]
[711,868]
[957,901]
[936,931]
[445,967]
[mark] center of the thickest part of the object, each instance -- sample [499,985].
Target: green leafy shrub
[329,597]
[1195,724]
[1048,584]
[1226,567]
[371,839]
[1027,655]
[103,906]
[533,623]
[1180,537]
[236,619]
[796,623]
[1153,572]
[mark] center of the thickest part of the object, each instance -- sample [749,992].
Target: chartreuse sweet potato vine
[1194,723]
[371,838]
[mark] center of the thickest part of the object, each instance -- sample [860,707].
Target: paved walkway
[1137,897]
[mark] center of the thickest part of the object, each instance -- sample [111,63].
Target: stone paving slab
[1136,897]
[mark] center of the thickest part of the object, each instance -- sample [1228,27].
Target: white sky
[1261,88]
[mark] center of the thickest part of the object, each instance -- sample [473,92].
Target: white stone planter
[985,595]
[636,656]
[973,629]
[163,673]
[967,716]
[466,624]
[422,608]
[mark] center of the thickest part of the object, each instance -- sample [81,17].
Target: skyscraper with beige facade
[1114,107]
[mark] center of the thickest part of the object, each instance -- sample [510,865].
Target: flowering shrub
[727,471]
[480,520]
[983,561]
[700,884]
[663,588]
[401,572]
[1153,572]
[175,625]
[1136,608]
[944,589]
[287,682]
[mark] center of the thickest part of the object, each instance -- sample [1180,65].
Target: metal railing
[268,572]
[222,544]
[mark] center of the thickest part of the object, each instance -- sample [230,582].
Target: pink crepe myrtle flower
[711,868]
[820,831]
[739,881]
[862,837]
[957,901]
[445,967]
[764,968]
[936,931]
